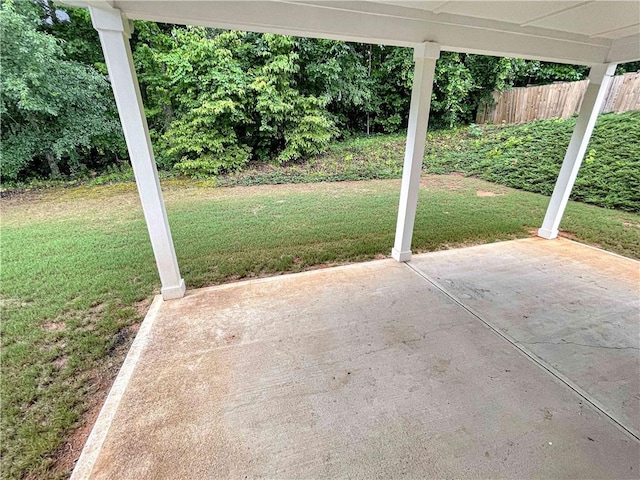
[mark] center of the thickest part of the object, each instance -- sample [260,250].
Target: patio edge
[92,447]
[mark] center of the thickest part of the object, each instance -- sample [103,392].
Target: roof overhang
[568,32]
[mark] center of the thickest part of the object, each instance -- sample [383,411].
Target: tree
[51,107]
[392,77]
[488,74]
[150,42]
[452,84]
[74,30]
[216,100]
[233,98]
[340,74]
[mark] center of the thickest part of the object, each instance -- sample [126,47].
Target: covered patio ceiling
[596,33]
[580,32]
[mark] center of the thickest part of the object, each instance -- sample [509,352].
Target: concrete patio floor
[511,360]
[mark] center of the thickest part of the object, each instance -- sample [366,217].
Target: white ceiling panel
[623,32]
[514,12]
[421,5]
[593,18]
[589,32]
[601,18]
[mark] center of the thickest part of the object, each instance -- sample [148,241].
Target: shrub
[529,157]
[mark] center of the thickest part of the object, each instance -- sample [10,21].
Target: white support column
[114,31]
[594,97]
[425,56]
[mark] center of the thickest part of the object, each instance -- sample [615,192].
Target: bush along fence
[558,100]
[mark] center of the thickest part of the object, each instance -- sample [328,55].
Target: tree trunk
[167,115]
[53,165]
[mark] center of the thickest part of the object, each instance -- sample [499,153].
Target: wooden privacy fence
[559,100]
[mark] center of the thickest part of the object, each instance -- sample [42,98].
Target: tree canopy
[54,110]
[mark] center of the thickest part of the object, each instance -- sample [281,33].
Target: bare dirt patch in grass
[61,362]
[102,378]
[569,235]
[54,326]
[485,193]
[141,308]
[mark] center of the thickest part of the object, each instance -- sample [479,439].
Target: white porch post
[425,56]
[114,33]
[599,78]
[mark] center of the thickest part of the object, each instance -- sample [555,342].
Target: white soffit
[581,32]
[595,18]
[518,12]
[610,19]
[621,33]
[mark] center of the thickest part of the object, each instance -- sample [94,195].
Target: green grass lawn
[78,273]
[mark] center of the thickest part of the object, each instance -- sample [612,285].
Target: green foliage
[452,84]
[54,110]
[522,156]
[534,72]
[233,99]
[627,68]
[340,74]
[149,42]
[358,158]
[74,30]
[474,130]
[310,135]
[217,100]
[113,174]
[209,91]
[529,157]
[488,74]
[392,76]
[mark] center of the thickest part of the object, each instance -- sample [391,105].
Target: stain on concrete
[441,366]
